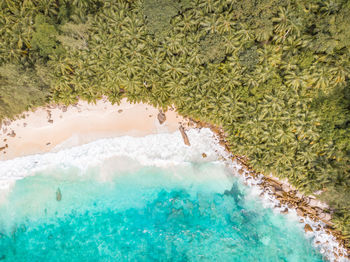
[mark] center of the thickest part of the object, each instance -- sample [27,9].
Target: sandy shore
[51,128]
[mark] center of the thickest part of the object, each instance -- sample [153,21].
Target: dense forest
[273,73]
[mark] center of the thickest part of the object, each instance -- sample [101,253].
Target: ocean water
[123,208]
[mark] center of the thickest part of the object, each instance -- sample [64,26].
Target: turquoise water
[189,213]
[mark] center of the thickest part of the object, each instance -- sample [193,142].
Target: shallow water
[187,212]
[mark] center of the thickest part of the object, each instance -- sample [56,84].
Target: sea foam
[161,150]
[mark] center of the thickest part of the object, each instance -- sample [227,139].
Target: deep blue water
[196,213]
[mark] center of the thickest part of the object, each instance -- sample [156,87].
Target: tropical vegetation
[274,74]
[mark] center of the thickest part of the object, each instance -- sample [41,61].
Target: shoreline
[54,127]
[284,198]
[65,127]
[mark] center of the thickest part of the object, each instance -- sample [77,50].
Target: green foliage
[20,89]
[31,32]
[274,74]
[212,49]
[45,38]
[249,57]
[158,14]
[73,35]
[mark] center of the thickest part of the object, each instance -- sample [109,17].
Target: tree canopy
[274,74]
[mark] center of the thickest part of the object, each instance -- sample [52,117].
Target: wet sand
[48,129]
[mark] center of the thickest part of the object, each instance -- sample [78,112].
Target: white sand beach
[48,129]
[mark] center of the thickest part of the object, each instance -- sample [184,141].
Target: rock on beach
[308,228]
[58,195]
[184,136]
[161,117]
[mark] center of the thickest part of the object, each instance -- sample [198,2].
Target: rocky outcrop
[317,204]
[300,212]
[305,206]
[325,217]
[286,188]
[12,134]
[308,228]
[161,117]
[184,136]
[286,194]
[4,147]
[284,211]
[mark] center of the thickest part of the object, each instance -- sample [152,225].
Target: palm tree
[285,24]
[154,58]
[270,55]
[174,44]
[225,23]
[210,24]
[341,70]
[320,78]
[288,64]
[295,80]
[329,8]
[208,5]
[130,66]
[232,43]
[173,67]
[251,80]
[264,73]
[293,44]
[185,23]
[244,34]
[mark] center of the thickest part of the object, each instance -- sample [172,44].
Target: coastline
[65,127]
[54,127]
[284,198]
